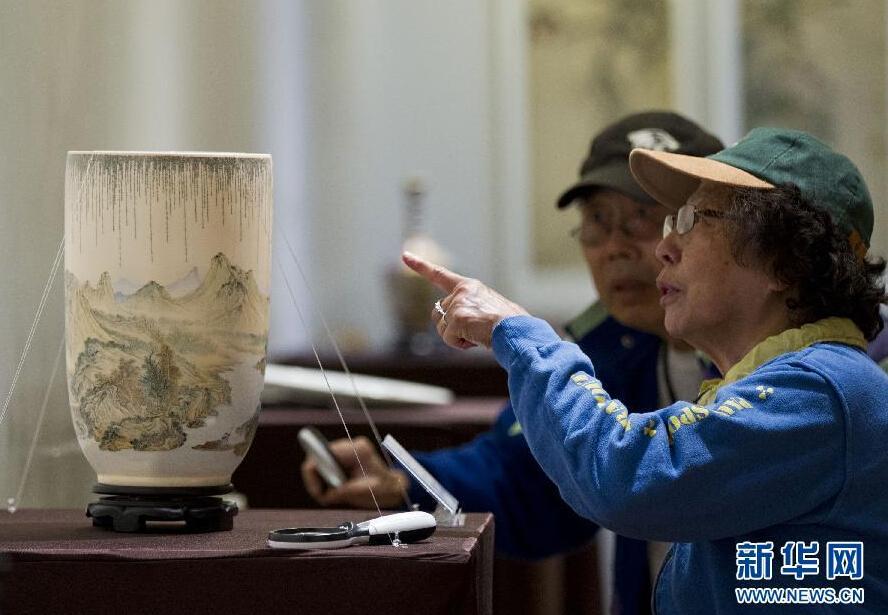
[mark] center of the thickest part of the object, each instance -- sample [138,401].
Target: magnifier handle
[399,522]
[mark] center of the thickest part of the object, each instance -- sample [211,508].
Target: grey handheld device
[316,446]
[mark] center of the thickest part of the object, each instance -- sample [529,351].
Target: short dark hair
[799,245]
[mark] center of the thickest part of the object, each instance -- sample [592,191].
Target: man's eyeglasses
[684,219]
[642,222]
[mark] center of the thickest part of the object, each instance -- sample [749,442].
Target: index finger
[438,275]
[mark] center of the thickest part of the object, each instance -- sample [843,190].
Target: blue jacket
[496,471]
[788,447]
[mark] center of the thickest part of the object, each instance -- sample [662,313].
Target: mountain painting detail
[167,267]
[150,365]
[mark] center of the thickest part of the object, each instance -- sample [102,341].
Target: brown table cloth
[54,561]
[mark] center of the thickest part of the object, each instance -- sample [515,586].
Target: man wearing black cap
[623,265]
[621,225]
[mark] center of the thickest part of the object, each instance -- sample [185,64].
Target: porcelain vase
[167,270]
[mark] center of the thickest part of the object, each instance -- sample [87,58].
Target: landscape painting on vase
[162,331]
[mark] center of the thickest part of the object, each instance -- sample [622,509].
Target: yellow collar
[839,330]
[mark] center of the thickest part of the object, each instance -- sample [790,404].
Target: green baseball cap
[765,158]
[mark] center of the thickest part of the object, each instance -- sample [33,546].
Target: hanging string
[12,502]
[40,307]
[327,383]
[21,486]
[345,368]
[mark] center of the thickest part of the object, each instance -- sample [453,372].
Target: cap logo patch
[653,138]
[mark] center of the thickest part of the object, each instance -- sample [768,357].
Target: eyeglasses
[641,222]
[686,217]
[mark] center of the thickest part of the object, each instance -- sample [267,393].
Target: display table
[54,561]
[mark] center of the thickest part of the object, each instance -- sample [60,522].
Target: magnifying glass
[405,527]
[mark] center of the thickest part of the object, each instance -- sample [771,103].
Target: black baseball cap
[607,165]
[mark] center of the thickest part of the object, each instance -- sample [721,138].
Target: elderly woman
[775,477]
